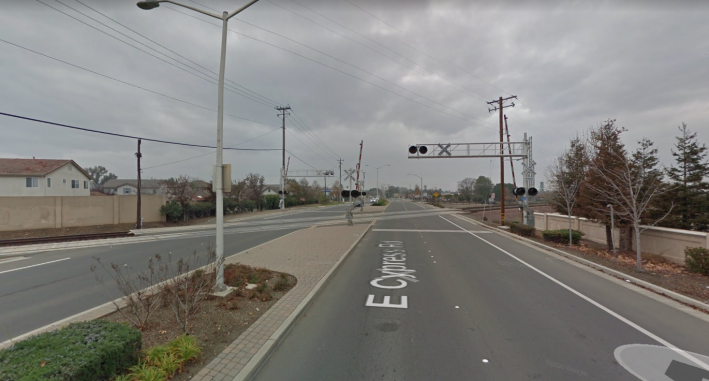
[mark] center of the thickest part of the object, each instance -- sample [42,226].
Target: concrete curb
[660,290]
[254,365]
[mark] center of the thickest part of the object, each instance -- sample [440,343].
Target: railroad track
[63,238]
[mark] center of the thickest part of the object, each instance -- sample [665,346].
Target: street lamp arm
[236,12]
[215,15]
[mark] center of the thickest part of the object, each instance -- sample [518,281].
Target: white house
[43,177]
[271,189]
[130,187]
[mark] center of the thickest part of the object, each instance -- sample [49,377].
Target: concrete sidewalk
[311,255]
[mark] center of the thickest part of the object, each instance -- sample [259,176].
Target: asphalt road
[474,311]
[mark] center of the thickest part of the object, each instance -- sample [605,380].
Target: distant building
[43,177]
[541,186]
[125,187]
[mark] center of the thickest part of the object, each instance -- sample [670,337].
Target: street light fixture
[367,165]
[420,189]
[225,16]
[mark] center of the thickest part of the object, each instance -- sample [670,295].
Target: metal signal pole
[340,161]
[139,223]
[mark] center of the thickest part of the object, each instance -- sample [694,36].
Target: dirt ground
[656,269]
[221,320]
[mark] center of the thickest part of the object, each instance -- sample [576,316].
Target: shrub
[146,372]
[186,348]
[271,201]
[202,209]
[697,259]
[522,229]
[172,210]
[230,206]
[562,236]
[381,202]
[93,350]
[247,206]
[282,284]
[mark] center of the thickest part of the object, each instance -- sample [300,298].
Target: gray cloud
[572,64]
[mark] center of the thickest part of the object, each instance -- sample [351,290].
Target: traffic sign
[435,194]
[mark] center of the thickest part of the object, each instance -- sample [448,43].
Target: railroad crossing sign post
[349,176]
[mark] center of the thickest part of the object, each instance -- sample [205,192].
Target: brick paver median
[306,254]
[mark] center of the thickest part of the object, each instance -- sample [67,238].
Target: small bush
[282,284]
[186,348]
[381,202]
[562,236]
[271,201]
[262,287]
[154,354]
[522,229]
[697,259]
[85,351]
[146,372]
[172,210]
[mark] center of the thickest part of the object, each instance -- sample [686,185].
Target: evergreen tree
[595,194]
[690,191]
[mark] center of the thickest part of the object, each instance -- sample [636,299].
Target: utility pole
[283,168]
[139,223]
[502,152]
[340,161]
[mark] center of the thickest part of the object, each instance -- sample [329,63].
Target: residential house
[125,187]
[271,189]
[43,177]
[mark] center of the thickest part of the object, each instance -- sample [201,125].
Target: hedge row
[562,236]
[85,351]
[522,229]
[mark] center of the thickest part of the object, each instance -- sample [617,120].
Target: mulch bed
[221,320]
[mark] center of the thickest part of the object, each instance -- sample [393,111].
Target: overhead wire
[263,97]
[236,91]
[129,136]
[340,71]
[128,83]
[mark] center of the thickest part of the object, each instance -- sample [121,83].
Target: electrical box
[226,178]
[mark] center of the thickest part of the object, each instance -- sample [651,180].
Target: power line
[127,83]
[236,91]
[330,151]
[130,136]
[308,147]
[210,153]
[179,55]
[340,71]
[354,5]
[290,153]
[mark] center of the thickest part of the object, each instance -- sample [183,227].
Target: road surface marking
[387,302]
[595,303]
[39,264]
[424,231]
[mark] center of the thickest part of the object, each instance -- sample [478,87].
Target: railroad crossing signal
[444,149]
[349,174]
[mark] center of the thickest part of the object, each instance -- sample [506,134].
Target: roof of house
[34,167]
[115,183]
[273,187]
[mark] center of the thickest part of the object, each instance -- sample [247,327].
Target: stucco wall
[669,243]
[21,213]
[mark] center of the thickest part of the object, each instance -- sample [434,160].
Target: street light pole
[377,176]
[420,189]
[225,16]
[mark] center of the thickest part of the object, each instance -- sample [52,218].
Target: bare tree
[255,187]
[188,284]
[565,176]
[631,187]
[182,190]
[465,188]
[137,289]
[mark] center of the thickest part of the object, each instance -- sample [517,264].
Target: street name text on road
[393,269]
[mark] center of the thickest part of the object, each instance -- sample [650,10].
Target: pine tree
[690,191]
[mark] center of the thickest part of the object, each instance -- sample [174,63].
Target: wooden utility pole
[139,223]
[499,107]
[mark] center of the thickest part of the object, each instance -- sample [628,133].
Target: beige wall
[669,243]
[20,213]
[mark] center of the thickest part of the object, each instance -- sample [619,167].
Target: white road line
[39,264]
[404,204]
[595,303]
[425,231]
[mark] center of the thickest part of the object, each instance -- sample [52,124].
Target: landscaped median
[175,329]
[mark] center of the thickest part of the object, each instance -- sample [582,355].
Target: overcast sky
[392,73]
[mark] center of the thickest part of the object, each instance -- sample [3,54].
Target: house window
[75,184]
[31,182]
[49,182]
[64,181]
[86,185]
[126,190]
